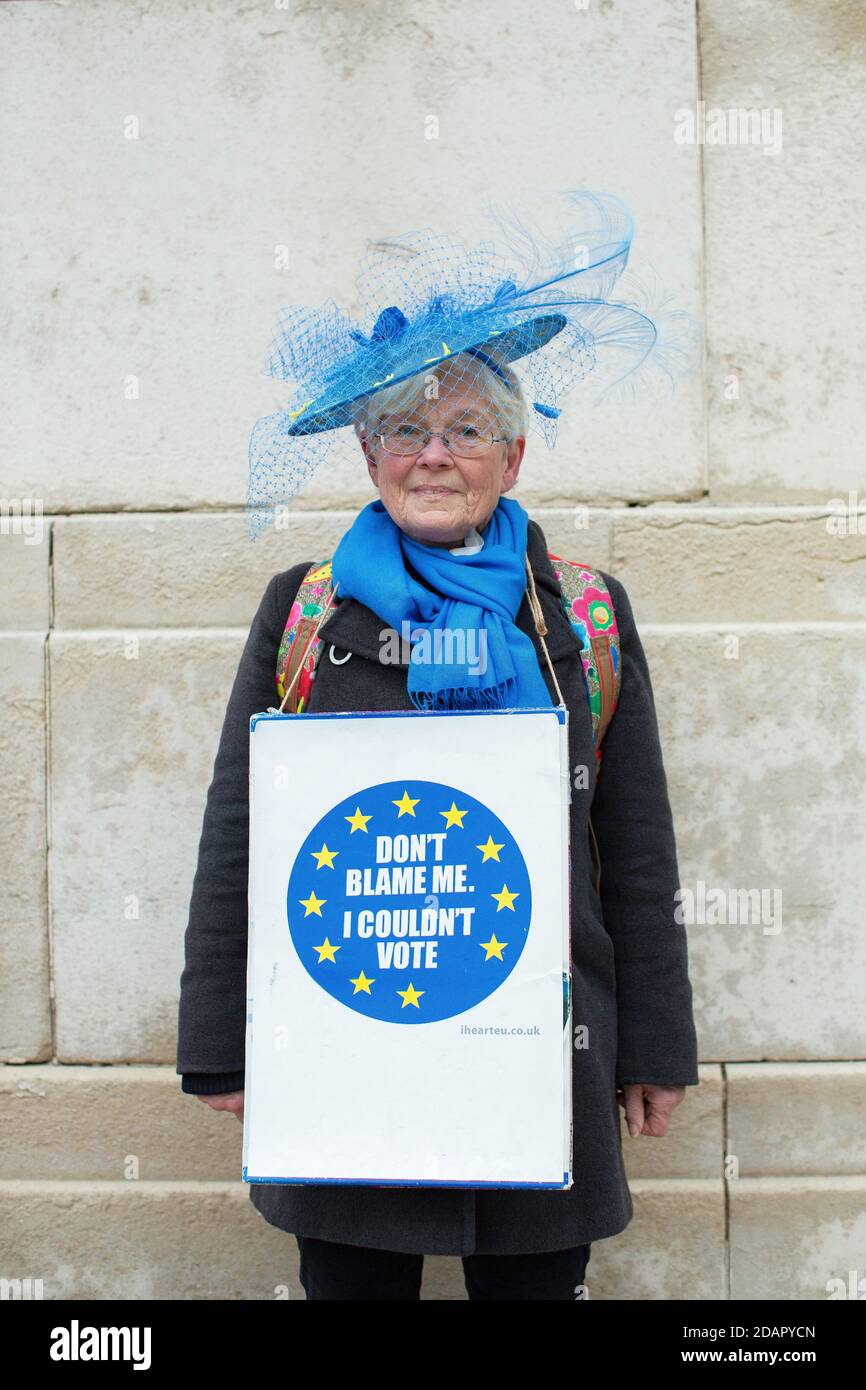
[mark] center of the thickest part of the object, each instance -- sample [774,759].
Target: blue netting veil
[537,299]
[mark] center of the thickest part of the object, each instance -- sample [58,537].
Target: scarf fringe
[501,696]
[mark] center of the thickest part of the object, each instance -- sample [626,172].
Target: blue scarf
[465,623]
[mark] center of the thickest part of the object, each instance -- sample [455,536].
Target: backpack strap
[586,601]
[589,608]
[296,648]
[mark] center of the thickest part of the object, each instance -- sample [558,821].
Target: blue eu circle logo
[409,902]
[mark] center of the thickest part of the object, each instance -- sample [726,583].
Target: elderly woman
[443,446]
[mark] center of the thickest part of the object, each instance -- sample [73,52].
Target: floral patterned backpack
[585,599]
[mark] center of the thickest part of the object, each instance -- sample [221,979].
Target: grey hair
[504,397]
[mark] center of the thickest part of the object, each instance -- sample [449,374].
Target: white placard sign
[409,960]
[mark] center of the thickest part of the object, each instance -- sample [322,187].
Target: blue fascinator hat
[540,299]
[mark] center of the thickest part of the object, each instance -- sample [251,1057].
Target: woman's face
[435,496]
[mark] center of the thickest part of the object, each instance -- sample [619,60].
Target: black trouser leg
[551,1274]
[329,1269]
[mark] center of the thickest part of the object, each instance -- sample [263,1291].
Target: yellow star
[491,850]
[505,898]
[406,805]
[358,821]
[493,947]
[326,951]
[453,817]
[361,983]
[410,995]
[312,903]
[324,856]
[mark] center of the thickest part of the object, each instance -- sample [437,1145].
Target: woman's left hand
[648,1108]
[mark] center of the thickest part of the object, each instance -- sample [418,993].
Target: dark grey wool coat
[630,971]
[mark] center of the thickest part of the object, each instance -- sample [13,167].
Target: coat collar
[354,627]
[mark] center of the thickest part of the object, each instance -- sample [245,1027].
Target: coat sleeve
[631,816]
[211,1036]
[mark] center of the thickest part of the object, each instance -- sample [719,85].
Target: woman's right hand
[232,1100]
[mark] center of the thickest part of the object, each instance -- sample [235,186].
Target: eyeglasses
[407,437]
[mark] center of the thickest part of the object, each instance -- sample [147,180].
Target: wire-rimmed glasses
[465,438]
